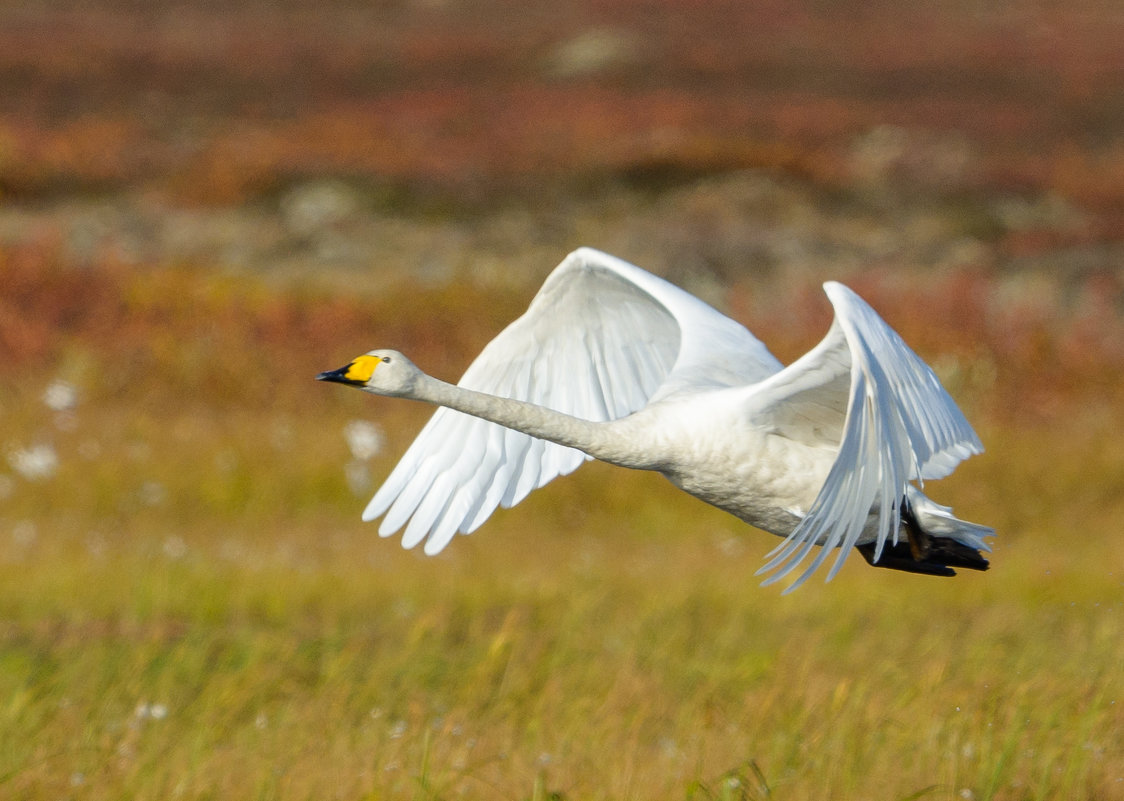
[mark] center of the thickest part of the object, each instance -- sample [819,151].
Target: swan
[611,362]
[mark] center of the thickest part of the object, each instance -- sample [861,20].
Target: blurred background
[284,134]
[203,205]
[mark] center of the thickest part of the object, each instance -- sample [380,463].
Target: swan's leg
[924,553]
[920,543]
[900,557]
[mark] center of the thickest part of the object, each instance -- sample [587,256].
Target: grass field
[190,607]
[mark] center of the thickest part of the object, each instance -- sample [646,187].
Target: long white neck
[599,440]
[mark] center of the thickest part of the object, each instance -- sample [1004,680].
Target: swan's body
[613,363]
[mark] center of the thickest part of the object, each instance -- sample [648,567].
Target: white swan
[613,363]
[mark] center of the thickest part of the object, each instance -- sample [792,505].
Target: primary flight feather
[613,363]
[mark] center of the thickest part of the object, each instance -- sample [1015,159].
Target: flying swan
[611,362]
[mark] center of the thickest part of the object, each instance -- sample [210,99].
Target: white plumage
[612,362]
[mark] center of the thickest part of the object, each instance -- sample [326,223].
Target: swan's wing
[599,341]
[863,390]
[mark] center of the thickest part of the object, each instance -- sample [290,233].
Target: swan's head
[383,372]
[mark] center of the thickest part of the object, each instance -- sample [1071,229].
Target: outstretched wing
[864,391]
[599,341]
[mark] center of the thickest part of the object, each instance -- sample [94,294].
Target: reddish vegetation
[194,104]
[186,332]
[177,332]
[217,104]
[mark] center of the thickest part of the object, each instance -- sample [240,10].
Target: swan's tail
[935,542]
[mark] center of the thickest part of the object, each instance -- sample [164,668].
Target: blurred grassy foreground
[191,608]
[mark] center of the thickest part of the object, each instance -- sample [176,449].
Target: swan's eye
[386,359]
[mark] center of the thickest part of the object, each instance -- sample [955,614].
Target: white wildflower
[175,548]
[358,477]
[60,396]
[34,463]
[24,533]
[152,493]
[147,711]
[364,439]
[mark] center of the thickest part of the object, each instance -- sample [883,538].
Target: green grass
[191,608]
[319,662]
